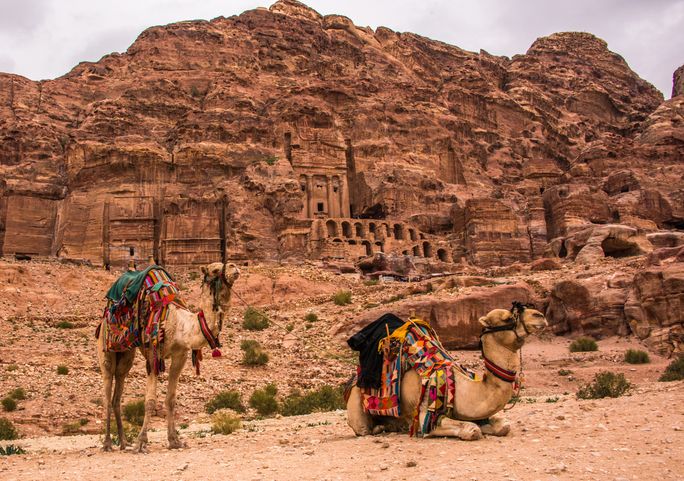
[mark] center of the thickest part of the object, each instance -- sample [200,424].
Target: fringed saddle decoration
[212,340]
[136,319]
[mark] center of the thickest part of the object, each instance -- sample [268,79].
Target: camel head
[511,327]
[225,273]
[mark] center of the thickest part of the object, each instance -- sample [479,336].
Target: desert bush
[264,401]
[224,423]
[134,412]
[253,354]
[11,449]
[65,325]
[62,370]
[371,282]
[225,400]
[271,160]
[18,394]
[11,368]
[311,317]
[634,356]
[564,372]
[289,327]
[342,298]
[254,320]
[9,404]
[72,428]
[605,384]
[325,398]
[7,430]
[674,371]
[583,344]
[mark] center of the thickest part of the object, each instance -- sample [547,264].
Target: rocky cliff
[231,138]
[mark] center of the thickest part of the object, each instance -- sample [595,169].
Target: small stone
[411,464]
[385,445]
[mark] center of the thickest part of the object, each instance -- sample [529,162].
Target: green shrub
[9,404]
[226,400]
[65,325]
[19,394]
[134,412]
[254,320]
[224,423]
[253,354]
[634,356]
[311,317]
[371,282]
[325,398]
[62,370]
[264,401]
[271,160]
[289,327]
[72,428]
[674,371]
[342,298]
[583,344]
[11,449]
[605,384]
[564,372]
[7,430]
[11,368]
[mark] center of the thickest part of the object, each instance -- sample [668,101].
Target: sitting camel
[503,335]
[182,333]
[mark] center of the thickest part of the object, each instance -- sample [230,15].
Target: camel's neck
[479,400]
[213,313]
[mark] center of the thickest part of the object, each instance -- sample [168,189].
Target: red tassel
[216,353]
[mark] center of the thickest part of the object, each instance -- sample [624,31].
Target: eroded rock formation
[281,133]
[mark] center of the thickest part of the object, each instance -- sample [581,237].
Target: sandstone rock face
[242,137]
[655,308]
[678,82]
[455,318]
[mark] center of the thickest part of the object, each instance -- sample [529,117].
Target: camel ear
[483,321]
[204,270]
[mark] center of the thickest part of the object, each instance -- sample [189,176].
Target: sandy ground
[554,436]
[634,437]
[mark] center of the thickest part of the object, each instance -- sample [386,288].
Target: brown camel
[182,333]
[503,335]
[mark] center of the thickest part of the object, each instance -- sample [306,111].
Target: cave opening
[618,248]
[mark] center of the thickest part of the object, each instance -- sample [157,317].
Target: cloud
[7,63]
[24,17]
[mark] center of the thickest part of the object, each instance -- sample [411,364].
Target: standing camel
[503,335]
[182,333]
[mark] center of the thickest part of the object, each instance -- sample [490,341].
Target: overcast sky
[43,39]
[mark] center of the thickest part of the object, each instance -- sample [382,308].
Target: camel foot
[496,426]
[107,447]
[141,447]
[379,429]
[470,432]
[177,444]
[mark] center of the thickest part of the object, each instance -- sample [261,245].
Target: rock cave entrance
[346,229]
[398,232]
[618,248]
[442,254]
[427,249]
[332,228]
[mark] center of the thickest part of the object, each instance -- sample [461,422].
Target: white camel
[182,333]
[503,335]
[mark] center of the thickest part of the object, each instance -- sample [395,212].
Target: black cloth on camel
[366,342]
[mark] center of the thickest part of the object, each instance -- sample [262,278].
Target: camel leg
[124,362]
[177,363]
[359,420]
[497,426]
[456,429]
[107,376]
[150,406]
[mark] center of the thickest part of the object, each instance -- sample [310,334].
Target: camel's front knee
[496,426]
[359,420]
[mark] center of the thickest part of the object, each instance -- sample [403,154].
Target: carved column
[344,201]
[329,192]
[309,196]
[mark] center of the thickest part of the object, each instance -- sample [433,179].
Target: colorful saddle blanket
[138,320]
[415,346]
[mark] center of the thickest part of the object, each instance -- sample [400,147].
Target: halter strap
[206,332]
[499,372]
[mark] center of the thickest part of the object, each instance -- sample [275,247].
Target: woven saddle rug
[415,345]
[136,317]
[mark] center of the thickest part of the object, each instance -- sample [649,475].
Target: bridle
[499,372]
